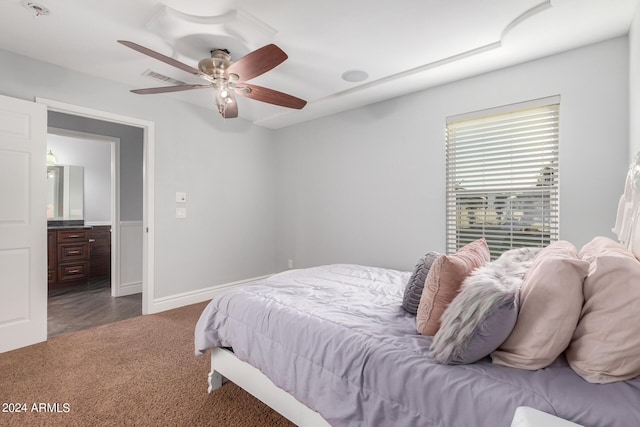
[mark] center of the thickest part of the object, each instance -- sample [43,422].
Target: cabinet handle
[73,236]
[73,252]
[92,240]
[75,270]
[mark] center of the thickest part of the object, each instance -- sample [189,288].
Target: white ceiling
[403,45]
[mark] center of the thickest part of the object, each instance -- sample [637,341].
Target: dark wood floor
[86,306]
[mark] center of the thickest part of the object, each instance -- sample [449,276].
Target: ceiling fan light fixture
[227,78]
[221,100]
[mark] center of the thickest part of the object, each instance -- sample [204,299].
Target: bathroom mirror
[65,192]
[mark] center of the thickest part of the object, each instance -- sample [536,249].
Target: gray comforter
[337,338]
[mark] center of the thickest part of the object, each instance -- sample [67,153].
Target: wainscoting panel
[131,239]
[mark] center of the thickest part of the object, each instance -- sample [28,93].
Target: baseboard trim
[130,288]
[193,297]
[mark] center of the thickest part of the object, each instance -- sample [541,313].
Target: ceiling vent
[37,9]
[159,76]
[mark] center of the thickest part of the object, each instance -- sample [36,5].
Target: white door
[23,224]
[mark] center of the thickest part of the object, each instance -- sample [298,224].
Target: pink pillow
[606,343]
[443,283]
[550,304]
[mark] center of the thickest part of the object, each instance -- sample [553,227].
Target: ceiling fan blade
[229,110]
[257,62]
[161,57]
[165,89]
[270,96]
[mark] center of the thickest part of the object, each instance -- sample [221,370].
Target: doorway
[88,299]
[132,227]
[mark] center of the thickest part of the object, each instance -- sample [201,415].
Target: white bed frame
[225,365]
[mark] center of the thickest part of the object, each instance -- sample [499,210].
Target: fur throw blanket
[468,332]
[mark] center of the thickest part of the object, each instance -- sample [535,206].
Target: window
[502,176]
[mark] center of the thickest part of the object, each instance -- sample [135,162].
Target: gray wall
[364,186]
[226,168]
[368,186]
[131,160]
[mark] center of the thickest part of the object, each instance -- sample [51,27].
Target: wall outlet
[290,263]
[181,197]
[181,213]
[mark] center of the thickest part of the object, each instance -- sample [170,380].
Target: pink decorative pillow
[550,304]
[606,343]
[443,283]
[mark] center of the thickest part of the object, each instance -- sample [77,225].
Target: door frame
[148,128]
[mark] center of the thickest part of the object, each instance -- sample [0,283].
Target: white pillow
[550,304]
[606,344]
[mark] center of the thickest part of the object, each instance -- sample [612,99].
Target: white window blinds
[502,177]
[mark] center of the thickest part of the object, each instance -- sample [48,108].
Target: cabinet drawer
[69,236]
[74,271]
[73,252]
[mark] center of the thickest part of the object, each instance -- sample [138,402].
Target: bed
[332,345]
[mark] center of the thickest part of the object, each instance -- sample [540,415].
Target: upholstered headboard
[627,221]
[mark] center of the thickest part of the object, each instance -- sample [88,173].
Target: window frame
[499,179]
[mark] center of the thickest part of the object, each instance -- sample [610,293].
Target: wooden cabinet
[52,258]
[68,257]
[77,254]
[100,243]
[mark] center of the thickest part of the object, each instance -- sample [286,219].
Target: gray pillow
[413,290]
[484,313]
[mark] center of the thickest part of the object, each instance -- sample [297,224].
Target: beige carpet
[140,371]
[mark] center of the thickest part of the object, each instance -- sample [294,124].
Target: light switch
[181,213]
[181,197]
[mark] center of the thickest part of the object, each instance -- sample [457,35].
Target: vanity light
[51,158]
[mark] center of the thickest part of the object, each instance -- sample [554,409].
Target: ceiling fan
[227,77]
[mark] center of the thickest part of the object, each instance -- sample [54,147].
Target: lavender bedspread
[337,338]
